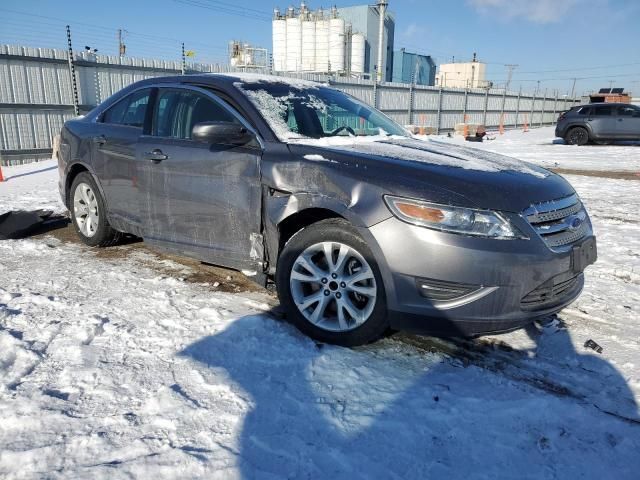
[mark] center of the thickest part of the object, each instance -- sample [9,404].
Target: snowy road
[127,364]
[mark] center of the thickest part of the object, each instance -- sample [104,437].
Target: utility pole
[511,67]
[382,9]
[72,72]
[122,48]
[573,87]
[473,69]
[184,60]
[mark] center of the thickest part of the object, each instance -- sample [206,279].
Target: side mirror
[221,132]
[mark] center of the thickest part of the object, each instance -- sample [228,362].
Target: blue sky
[551,40]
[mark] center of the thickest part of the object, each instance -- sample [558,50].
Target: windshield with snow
[310,111]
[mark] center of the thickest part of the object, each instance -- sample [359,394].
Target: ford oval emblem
[575,222]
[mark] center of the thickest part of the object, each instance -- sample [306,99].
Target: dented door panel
[204,197]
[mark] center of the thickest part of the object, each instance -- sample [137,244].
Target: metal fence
[37,95]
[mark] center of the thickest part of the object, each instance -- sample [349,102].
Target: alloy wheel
[578,136]
[333,286]
[85,210]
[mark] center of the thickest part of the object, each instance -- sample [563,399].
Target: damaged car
[363,228]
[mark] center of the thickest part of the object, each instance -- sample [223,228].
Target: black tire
[577,136]
[104,235]
[334,230]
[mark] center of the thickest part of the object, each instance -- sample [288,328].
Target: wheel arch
[75,169]
[295,222]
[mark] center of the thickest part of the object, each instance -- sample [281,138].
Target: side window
[626,111]
[130,111]
[585,111]
[179,110]
[602,111]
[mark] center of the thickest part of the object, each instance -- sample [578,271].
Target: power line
[221,8]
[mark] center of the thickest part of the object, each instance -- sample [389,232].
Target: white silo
[357,53]
[336,44]
[322,44]
[279,42]
[294,44]
[308,45]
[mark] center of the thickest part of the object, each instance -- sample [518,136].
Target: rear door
[199,198]
[114,154]
[628,121]
[602,121]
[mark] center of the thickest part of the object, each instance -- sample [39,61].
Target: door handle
[99,140]
[155,155]
[620,119]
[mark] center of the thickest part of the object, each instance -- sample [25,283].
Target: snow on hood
[429,151]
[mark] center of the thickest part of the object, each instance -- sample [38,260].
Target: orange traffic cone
[526,125]
[501,129]
[465,131]
[1,177]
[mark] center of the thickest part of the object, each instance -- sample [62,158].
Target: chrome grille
[559,222]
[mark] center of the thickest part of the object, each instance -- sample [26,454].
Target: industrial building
[245,56]
[462,75]
[413,67]
[343,41]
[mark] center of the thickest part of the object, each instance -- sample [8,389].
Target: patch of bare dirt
[217,278]
[598,173]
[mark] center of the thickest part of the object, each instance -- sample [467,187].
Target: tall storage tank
[308,45]
[336,44]
[294,44]
[280,45]
[357,53]
[322,46]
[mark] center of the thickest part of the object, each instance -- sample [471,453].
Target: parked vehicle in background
[362,227]
[599,123]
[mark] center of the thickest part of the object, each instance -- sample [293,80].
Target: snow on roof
[263,78]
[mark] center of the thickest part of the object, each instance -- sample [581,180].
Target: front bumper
[505,275]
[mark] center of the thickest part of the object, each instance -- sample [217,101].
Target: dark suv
[599,123]
[362,227]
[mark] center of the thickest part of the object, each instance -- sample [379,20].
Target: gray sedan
[362,227]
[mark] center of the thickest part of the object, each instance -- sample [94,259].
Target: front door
[628,121]
[114,155]
[199,198]
[602,121]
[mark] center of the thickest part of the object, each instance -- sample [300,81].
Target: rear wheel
[88,213]
[330,285]
[577,136]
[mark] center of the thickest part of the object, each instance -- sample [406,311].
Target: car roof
[607,104]
[229,79]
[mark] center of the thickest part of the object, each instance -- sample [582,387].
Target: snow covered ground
[113,366]
[540,146]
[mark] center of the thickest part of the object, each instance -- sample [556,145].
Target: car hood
[411,167]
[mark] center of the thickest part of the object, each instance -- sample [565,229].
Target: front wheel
[577,136]
[330,285]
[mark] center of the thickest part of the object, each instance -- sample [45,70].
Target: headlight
[466,221]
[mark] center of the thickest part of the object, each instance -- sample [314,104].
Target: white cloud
[538,11]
